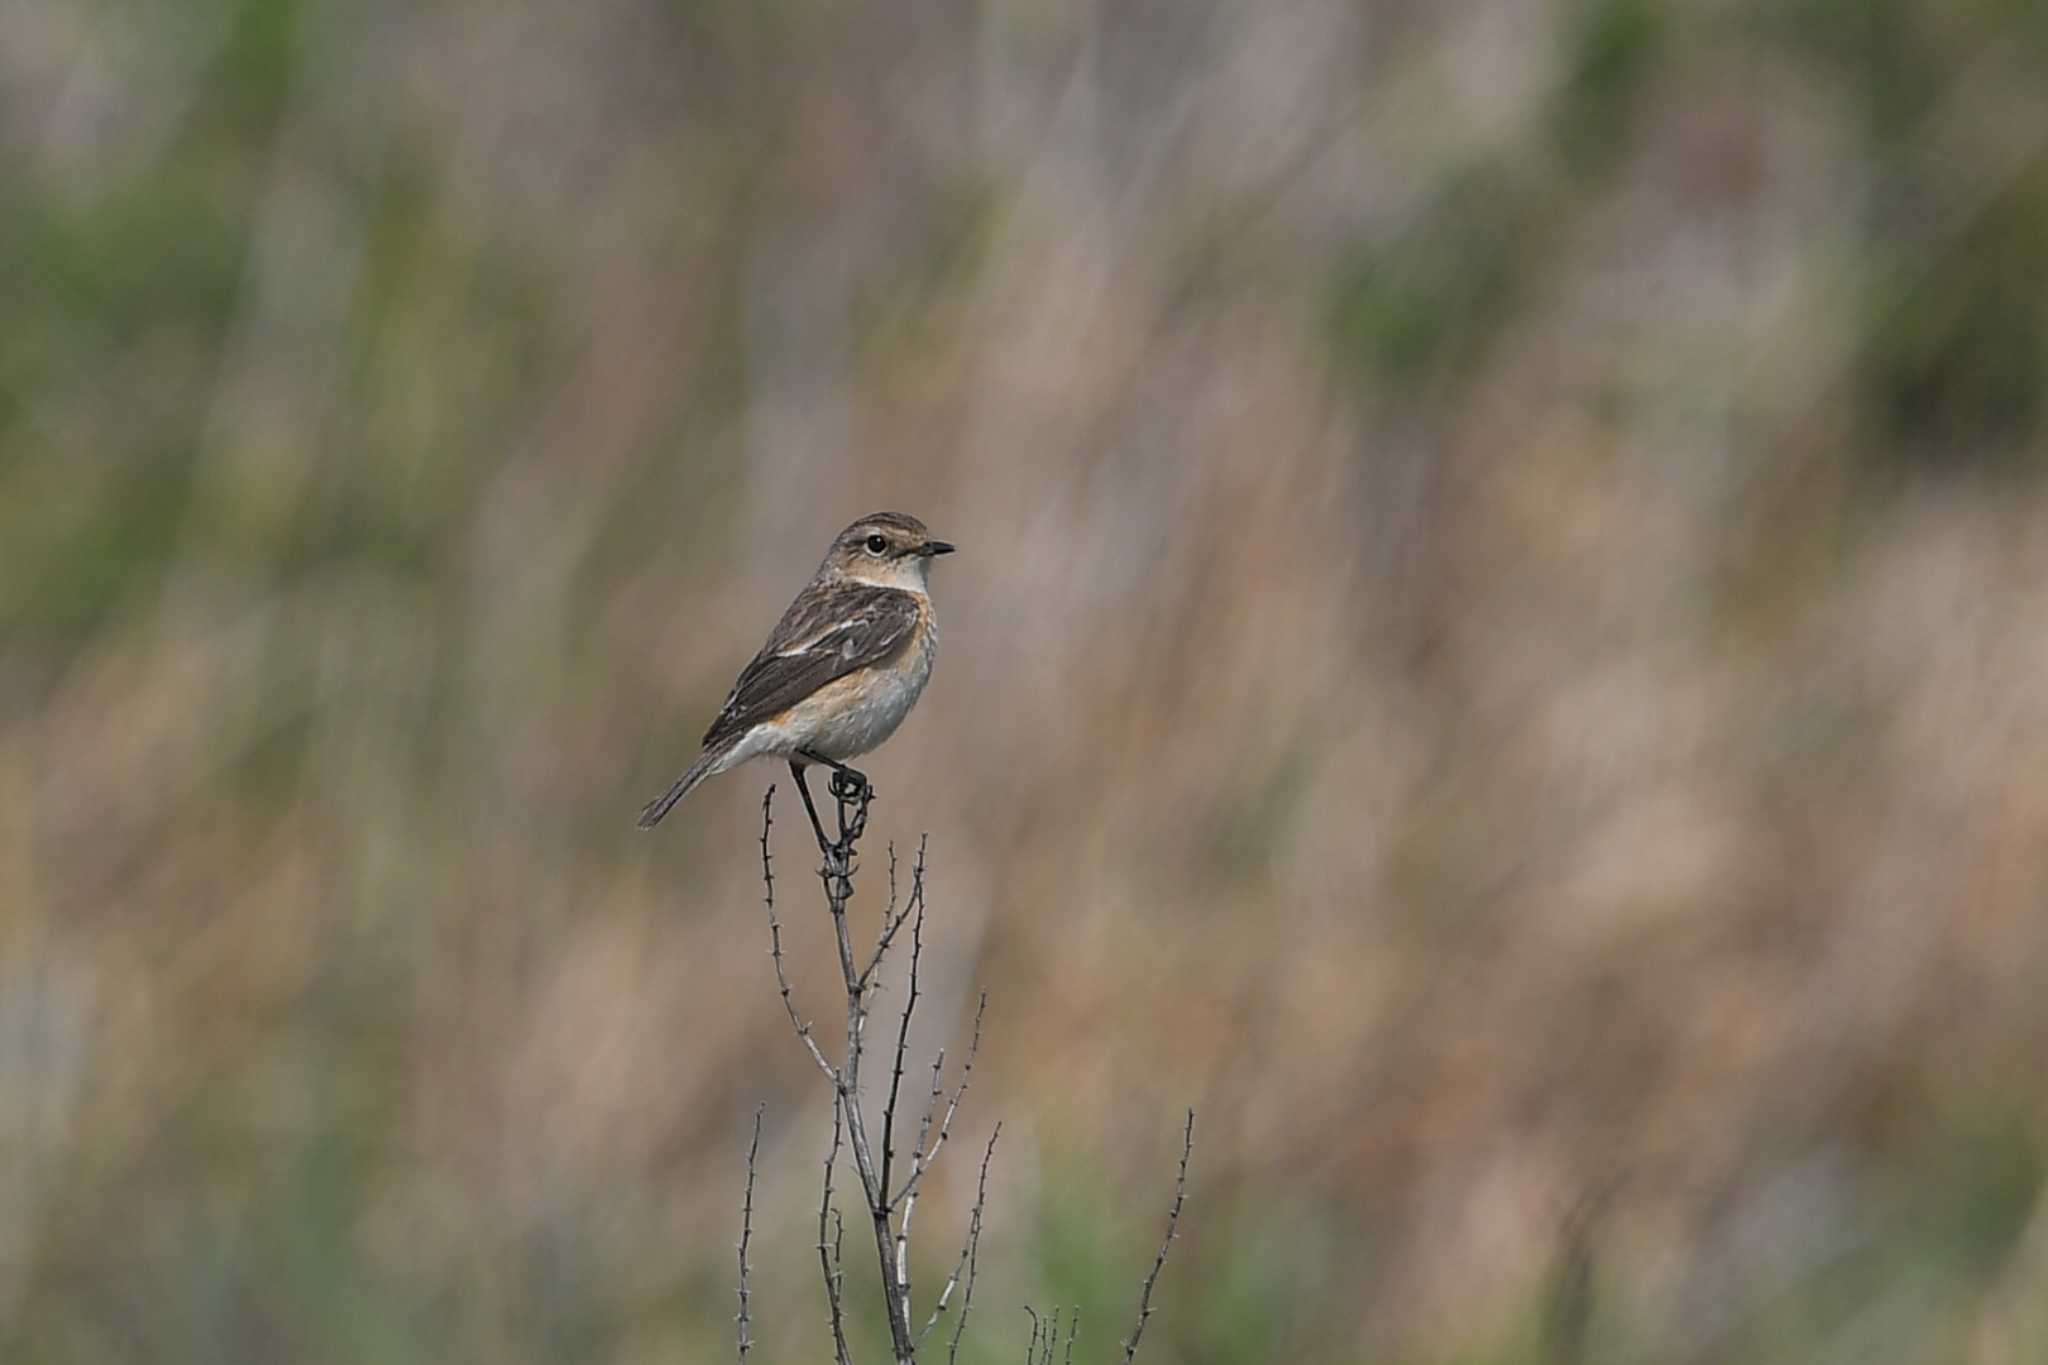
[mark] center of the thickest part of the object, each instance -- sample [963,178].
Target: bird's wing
[827,633]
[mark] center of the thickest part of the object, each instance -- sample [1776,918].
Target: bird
[839,672]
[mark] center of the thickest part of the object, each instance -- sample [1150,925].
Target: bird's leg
[848,784]
[852,790]
[825,845]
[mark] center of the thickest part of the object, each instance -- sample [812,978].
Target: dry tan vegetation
[1497,651]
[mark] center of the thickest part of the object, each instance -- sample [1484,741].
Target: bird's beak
[934,547]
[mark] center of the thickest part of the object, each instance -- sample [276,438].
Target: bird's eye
[876,545]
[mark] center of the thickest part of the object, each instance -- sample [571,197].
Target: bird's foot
[851,786]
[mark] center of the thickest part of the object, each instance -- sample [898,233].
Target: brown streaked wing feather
[828,632]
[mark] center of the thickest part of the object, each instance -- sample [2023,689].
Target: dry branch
[746,1341]
[796,1021]
[970,1255]
[1180,1193]
[890,1205]
[829,1264]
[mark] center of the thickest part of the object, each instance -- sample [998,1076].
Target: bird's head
[888,549]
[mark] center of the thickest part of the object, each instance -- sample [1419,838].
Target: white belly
[873,712]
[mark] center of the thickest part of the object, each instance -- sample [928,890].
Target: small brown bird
[841,669]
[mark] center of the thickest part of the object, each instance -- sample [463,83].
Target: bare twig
[902,1042]
[746,1342]
[835,875]
[923,1130]
[921,1160]
[895,919]
[841,1354]
[891,1211]
[837,879]
[970,1251]
[1180,1190]
[1046,1336]
[796,1021]
[828,1246]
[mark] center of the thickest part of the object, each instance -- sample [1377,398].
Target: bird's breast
[853,714]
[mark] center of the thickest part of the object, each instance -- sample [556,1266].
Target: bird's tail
[705,765]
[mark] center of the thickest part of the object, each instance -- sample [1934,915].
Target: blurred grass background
[1498,652]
